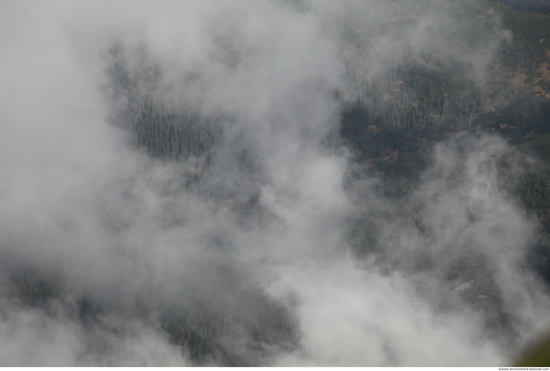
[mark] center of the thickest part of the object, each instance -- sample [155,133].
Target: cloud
[255,261]
[31,337]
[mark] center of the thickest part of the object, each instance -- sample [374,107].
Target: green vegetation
[411,96]
[203,332]
[412,106]
[537,355]
[168,133]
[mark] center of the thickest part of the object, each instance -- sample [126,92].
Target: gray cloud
[265,230]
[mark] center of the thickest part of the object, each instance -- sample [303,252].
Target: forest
[413,133]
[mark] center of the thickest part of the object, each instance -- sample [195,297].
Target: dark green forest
[401,115]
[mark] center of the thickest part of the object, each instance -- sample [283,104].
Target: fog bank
[245,252]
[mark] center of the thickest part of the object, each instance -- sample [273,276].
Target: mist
[250,244]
